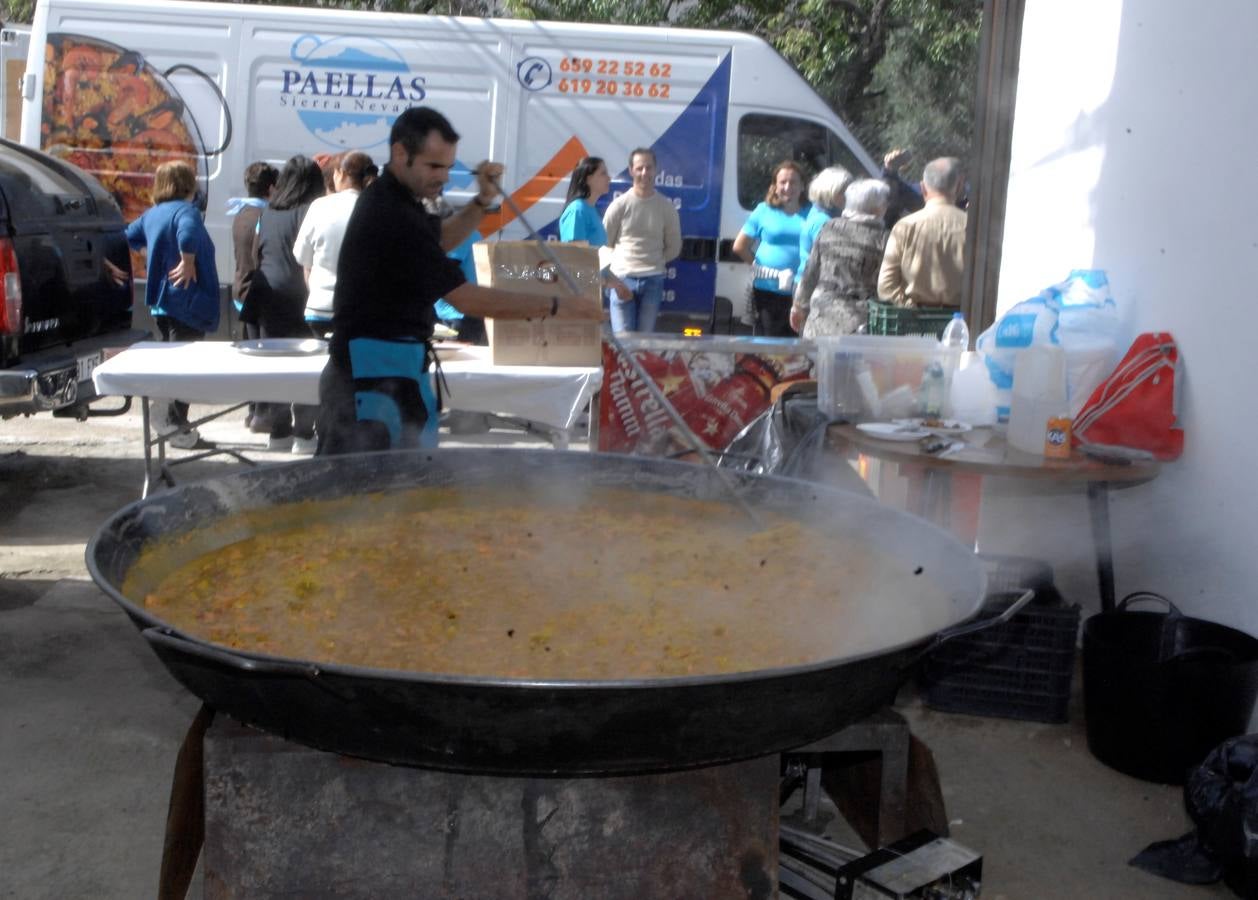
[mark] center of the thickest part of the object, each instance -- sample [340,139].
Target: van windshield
[765,140]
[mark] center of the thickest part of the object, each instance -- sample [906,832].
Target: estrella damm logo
[348,90]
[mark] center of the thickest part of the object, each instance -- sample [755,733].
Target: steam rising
[820,583]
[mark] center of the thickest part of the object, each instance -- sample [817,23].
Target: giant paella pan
[533,612]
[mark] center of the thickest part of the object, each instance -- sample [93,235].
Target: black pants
[174,330]
[472,330]
[288,419]
[251,333]
[339,428]
[772,314]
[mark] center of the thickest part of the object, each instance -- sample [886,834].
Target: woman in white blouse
[318,244]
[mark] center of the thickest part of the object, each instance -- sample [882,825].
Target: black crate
[1020,669]
[1014,574]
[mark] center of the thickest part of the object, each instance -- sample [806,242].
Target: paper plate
[891,431]
[937,426]
[282,347]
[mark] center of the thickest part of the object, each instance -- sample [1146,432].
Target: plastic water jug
[1039,394]
[1028,324]
[972,397]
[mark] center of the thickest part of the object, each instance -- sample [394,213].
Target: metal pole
[648,382]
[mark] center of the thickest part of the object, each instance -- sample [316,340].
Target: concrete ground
[90,721]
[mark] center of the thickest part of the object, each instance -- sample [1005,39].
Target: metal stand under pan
[283,820]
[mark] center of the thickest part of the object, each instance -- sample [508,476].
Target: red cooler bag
[1137,406]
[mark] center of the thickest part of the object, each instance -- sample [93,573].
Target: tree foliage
[899,72]
[17,11]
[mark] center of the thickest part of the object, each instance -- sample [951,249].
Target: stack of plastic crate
[1020,669]
[887,318]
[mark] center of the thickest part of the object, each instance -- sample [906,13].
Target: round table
[986,453]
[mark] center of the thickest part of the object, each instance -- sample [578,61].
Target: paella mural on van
[112,114]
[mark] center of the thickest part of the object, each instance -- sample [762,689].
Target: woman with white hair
[842,271]
[825,193]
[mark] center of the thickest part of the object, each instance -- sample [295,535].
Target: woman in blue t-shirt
[580,221]
[769,241]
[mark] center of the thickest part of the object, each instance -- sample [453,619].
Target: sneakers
[305,446]
[164,427]
[179,435]
[280,444]
[189,440]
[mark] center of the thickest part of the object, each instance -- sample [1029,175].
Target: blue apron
[393,392]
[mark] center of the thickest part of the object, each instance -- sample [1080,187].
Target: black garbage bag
[1221,796]
[788,439]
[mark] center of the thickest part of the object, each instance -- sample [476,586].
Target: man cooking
[375,392]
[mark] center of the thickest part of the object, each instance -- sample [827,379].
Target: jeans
[639,312]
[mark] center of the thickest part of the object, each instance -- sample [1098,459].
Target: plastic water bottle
[954,342]
[956,334]
[933,391]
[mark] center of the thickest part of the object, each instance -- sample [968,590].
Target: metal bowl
[282,347]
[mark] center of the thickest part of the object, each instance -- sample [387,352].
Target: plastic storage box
[1021,669]
[885,318]
[864,377]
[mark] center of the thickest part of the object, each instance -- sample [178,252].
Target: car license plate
[88,364]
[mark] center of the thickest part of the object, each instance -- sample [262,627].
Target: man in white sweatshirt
[644,234]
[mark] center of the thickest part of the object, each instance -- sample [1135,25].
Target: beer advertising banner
[716,392]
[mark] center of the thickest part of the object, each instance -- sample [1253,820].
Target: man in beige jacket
[925,253]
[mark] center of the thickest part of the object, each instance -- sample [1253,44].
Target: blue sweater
[165,231]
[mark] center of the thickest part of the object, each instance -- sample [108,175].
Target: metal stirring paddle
[648,382]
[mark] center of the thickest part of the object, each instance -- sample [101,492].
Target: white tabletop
[216,372]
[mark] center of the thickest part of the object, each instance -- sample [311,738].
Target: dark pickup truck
[61,314]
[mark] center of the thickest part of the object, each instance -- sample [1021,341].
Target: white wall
[1135,150]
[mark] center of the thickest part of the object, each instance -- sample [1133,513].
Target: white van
[14,46]
[118,86]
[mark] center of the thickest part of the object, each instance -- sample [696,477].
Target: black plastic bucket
[1161,689]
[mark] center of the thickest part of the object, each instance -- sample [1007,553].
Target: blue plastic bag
[1031,322]
[1079,314]
[1088,311]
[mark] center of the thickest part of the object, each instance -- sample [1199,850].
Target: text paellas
[354,85]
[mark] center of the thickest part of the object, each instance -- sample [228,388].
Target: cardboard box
[522,266]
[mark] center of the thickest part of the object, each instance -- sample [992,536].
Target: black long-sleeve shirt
[392,269]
